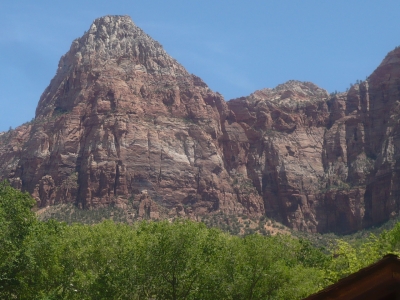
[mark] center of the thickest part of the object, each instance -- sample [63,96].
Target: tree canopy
[163,260]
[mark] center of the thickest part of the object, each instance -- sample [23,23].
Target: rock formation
[121,116]
[122,122]
[326,163]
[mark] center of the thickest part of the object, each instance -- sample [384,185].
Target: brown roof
[379,281]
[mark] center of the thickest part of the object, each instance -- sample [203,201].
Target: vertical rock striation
[326,163]
[121,116]
[122,123]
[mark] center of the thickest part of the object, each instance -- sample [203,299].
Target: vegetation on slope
[163,260]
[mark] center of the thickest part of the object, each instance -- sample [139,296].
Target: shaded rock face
[121,116]
[325,163]
[122,122]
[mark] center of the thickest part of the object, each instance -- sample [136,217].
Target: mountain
[121,119]
[122,123]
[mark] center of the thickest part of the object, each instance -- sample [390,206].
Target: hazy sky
[236,47]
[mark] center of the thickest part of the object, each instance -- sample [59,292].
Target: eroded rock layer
[325,162]
[122,123]
[121,116]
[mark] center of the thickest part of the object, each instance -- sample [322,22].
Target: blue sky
[236,47]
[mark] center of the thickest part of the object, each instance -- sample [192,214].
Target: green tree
[268,268]
[160,260]
[42,277]
[183,258]
[16,222]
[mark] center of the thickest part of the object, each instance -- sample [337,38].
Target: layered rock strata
[326,163]
[122,123]
[121,116]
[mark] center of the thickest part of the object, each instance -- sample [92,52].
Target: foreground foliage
[162,260]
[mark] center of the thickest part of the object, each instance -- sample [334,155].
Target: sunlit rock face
[122,123]
[325,162]
[121,116]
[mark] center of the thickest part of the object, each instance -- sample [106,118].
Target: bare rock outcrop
[123,120]
[146,207]
[325,162]
[121,116]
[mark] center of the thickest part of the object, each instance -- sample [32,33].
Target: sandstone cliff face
[285,127]
[122,123]
[325,163]
[121,116]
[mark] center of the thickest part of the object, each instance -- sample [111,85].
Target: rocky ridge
[120,117]
[122,123]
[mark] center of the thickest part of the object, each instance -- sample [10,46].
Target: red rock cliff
[121,116]
[122,119]
[325,163]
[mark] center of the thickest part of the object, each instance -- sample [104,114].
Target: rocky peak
[387,71]
[122,123]
[121,116]
[117,37]
[292,90]
[393,57]
[113,49]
